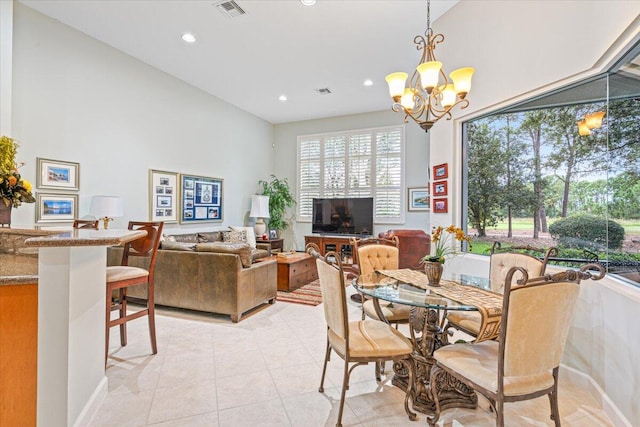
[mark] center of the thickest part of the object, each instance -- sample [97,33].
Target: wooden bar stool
[122,276]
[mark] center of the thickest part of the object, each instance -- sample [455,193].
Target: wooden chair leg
[107,327]
[553,399]
[152,323]
[122,296]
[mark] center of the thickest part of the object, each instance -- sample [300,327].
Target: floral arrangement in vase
[441,238]
[434,264]
[13,189]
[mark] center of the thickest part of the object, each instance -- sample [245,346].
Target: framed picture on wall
[58,174]
[440,206]
[202,199]
[418,199]
[163,196]
[56,207]
[441,171]
[439,188]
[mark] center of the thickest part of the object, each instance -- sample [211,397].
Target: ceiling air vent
[230,9]
[323,91]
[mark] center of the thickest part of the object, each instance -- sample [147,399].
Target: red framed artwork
[440,206]
[441,171]
[439,188]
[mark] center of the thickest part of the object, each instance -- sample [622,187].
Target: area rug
[308,294]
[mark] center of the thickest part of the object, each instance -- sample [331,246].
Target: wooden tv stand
[337,244]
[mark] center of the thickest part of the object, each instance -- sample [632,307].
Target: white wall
[517,47]
[77,99]
[416,158]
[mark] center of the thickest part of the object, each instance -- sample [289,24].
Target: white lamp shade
[259,206]
[106,206]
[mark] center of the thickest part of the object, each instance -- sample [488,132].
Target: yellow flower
[27,185]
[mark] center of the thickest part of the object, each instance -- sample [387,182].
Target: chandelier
[430,95]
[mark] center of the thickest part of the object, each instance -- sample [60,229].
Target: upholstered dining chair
[501,261]
[373,254]
[358,342]
[86,223]
[121,277]
[523,364]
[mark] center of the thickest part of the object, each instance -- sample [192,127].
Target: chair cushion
[479,363]
[372,339]
[469,320]
[118,273]
[392,312]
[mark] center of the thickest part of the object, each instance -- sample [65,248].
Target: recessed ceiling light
[282,98]
[368,82]
[308,2]
[188,37]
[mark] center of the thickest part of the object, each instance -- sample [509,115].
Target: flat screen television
[350,215]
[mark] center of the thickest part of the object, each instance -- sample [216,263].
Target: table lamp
[106,208]
[259,210]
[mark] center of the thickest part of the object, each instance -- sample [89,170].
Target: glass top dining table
[428,313]
[379,286]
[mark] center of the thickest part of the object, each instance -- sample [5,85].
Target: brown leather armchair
[414,244]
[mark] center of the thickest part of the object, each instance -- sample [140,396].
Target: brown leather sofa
[208,276]
[413,245]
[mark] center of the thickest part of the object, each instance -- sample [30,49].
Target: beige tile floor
[265,371]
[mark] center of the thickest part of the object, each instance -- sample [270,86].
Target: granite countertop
[18,267]
[85,237]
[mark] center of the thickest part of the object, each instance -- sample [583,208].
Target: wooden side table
[277,245]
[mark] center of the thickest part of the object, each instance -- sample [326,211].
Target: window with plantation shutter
[360,163]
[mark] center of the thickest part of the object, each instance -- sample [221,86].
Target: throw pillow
[251,235]
[213,236]
[187,238]
[234,236]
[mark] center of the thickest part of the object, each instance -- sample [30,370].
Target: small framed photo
[273,234]
[56,207]
[58,174]
[439,188]
[162,189]
[440,171]
[418,199]
[440,206]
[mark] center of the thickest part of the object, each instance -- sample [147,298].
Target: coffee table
[295,269]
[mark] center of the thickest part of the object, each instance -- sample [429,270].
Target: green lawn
[631,226]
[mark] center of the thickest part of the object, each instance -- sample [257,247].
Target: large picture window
[359,163]
[562,170]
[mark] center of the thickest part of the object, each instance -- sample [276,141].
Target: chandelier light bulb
[448,96]
[462,80]
[188,37]
[407,100]
[429,74]
[396,83]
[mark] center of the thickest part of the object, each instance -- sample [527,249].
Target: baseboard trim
[93,404]
[587,383]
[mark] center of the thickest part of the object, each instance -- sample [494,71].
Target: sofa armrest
[264,246]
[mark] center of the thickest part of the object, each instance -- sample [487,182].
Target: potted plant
[280,198]
[13,189]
